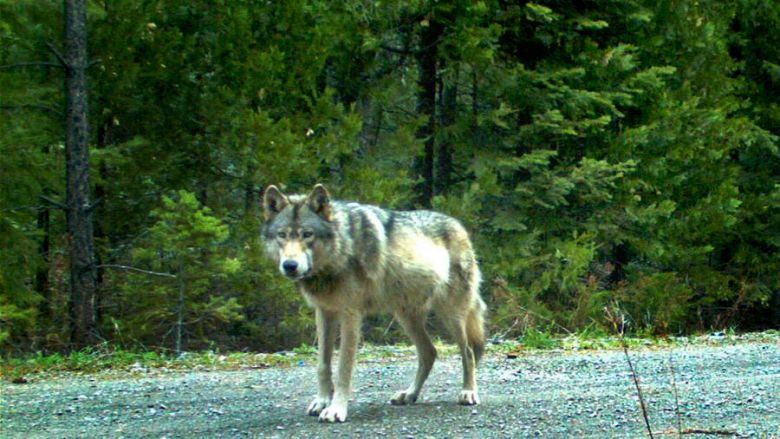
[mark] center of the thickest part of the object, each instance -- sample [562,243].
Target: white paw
[469,397]
[403,397]
[317,405]
[334,413]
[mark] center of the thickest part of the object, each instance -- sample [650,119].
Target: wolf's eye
[307,234]
[281,235]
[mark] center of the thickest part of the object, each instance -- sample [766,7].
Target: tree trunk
[42,273]
[79,215]
[426,105]
[449,111]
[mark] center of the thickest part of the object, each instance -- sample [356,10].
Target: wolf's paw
[334,413]
[403,397]
[317,405]
[468,397]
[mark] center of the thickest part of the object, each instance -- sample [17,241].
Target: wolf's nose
[289,266]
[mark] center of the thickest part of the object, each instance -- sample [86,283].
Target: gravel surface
[734,388]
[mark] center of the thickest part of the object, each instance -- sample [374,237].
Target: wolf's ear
[319,202]
[273,202]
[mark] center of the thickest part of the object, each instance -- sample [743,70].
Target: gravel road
[728,388]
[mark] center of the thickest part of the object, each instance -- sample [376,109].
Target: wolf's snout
[289,266]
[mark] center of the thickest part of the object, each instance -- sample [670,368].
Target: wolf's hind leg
[456,324]
[414,325]
[326,338]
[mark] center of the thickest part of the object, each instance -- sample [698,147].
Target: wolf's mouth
[298,276]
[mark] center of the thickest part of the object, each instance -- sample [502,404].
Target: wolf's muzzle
[290,267]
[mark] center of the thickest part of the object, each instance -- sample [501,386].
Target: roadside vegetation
[107,359]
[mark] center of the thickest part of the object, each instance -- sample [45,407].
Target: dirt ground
[721,390]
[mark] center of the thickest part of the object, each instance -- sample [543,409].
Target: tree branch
[53,202]
[128,268]
[31,64]
[29,207]
[60,58]
[39,107]
[409,50]
[404,51]
[94,204]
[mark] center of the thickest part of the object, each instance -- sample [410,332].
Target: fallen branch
[702,431]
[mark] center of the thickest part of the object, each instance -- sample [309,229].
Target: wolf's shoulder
[416,215]
[391,219]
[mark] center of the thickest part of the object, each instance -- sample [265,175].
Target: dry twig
[619,323]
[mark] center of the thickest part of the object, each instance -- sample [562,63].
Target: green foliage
[614,151]
[539,339]
[657,302]
[186,243]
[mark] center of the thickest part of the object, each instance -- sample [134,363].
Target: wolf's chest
[342,293]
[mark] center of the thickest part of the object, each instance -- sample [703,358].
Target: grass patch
[597,339]
[105,357]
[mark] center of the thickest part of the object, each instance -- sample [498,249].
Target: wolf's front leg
[350,337]
[326,338]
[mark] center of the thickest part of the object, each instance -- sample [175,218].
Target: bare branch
[39,107]
[704,431]
[28,207]
[618,321]
[53,202]
[30,64]
[94,62]
[128,268]
[94,204]
[403,51]
[409,50]
[57,53]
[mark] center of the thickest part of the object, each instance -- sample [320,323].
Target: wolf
[350,260]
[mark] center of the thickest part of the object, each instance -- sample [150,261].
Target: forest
[601,153]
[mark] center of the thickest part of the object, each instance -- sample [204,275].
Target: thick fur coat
[350,260]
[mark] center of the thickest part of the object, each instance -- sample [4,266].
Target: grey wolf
[350,260]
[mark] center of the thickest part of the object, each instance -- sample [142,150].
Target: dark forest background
[601,152]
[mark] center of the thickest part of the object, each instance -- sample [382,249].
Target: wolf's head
[298,231]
